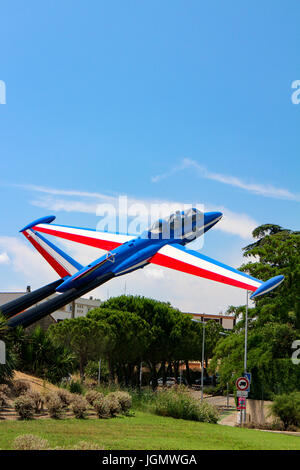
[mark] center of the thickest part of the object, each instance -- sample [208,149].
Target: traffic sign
[248,375]
[240,393]
[242,383]
[241,403]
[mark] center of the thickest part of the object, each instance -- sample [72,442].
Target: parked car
[170,381]
[206,381]
[182,380]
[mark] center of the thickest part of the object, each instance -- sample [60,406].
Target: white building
[78,308]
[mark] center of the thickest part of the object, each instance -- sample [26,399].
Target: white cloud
[232,223]
[4,258]
[266,190]
[26,261]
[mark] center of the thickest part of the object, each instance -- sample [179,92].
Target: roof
[208,315]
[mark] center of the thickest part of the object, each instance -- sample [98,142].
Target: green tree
[7,369]
[80,336]
[276,251]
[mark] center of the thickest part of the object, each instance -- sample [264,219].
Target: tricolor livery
[163,244]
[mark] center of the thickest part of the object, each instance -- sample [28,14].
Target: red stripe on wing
[61,271]
[168,262]
[95,242]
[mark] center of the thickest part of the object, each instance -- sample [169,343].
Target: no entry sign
[242,384]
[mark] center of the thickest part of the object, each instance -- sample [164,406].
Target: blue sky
[170,101]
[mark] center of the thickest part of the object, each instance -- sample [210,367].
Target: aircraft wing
[191,262]
[103,240]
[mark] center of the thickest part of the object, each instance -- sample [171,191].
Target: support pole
[243,412]
[99,372]
[202,361]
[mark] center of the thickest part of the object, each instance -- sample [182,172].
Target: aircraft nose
[211,218]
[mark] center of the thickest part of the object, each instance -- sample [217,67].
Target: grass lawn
[145,431]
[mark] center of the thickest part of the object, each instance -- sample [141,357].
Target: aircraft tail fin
[60,261]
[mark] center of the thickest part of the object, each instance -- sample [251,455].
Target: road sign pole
[243,415]
[246,334]
[202,362]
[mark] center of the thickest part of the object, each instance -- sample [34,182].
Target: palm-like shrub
[24,406]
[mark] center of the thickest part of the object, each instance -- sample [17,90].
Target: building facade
[78,308]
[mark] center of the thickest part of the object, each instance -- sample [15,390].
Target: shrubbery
[124,400]
[37,399]
[54,405]
[3,399]
[84,445]
[286,407]
[113,404]
[20,387]
[79,406]
[30,442]
[75,387]
[102,408]
[92,395]
[24,406]
[65,397]
[181,405]
[5,389]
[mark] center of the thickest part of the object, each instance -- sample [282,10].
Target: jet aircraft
[163,244]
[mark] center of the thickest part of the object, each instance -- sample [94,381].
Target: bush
[79,406]
[124,400]
[102,408]
[181,405]
[3,399]
[37,399]
[208,413]
[113,404]
[24,406]
[84,445]
[5,389]
[286,407]
[65,397]
[30,442]
[75,387]
[54,406]
[20,387]
[92,395]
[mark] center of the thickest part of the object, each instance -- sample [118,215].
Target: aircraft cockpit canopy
[179,224]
